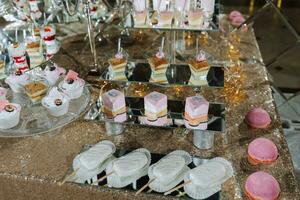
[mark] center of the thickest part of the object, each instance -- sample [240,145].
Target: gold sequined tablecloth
[31,167]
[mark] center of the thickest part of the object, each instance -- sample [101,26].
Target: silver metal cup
[203,139]
[114,128]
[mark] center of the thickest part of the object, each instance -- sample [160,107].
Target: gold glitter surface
[30,168]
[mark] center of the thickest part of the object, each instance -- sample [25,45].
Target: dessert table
[31,167]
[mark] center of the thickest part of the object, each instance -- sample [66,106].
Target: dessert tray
[176,74]
[150,19]
[35,118]
[196,161]
[175,116]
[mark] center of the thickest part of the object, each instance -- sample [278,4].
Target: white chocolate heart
[130,164]
[95,156]
[207,174]
[167,169]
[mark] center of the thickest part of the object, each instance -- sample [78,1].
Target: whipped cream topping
[54,70]
[72,86]
[160,55]
[201,57]
[72,81]
[119,55]
[51,99]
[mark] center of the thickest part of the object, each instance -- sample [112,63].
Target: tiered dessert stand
[178,75]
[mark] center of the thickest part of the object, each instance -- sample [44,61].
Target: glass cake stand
[36,120]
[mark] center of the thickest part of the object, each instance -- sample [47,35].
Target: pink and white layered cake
[114,105]
[72,85]
[56,102]
[17,81]
[9,114]
[156,109]
[17,52]
[196,113]
[52,73]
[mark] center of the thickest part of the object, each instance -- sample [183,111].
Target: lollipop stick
[104,177]
[144,187]
[197,46]
[178,187]
[162,44]
[119,45]
[16,34]
[68,177]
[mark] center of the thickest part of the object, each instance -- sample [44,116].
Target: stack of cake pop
[17,52]
[48,34]
[34,9]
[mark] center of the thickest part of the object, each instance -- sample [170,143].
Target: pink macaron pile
[258,118]
[263,186]
[262,151]
[236,18]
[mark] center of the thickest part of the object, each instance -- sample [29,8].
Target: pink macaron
[234,14]
[262,151]
[263,186]
[258,118]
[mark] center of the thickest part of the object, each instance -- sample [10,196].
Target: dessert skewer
[159,64]
[68,177]
[103,178]
[177,187]
[144,187]
[117,64]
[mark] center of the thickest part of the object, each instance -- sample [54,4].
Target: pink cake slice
[258,118]
[261,185]
[114,103]
[156,105]
[196,113]
[262,150]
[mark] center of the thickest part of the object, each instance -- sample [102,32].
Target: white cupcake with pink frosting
[56,102]
[9,114]
[72,85]
[17,81]
[52,73]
